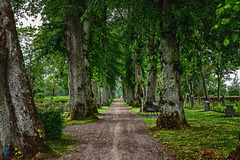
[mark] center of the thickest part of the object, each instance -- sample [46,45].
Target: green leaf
[215,26]
[226,42]
[226,20]
[228,1]
[234,24]
[236,8]
[219,11]
[219,5]
[235,37]
[227,6]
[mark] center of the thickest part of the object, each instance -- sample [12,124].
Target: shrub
[52,122]
[40,96]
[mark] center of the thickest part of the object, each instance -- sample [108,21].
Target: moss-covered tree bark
[152,74]
[171,101]
[81,101]
[20,124]
[130,94]
[112,93]
[138,89]
[96,94]
[105,95]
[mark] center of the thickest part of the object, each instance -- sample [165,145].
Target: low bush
[52,121]
[40,96]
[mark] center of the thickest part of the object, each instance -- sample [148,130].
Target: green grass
[211,136]
[103,109]
[59,147]
[68,122]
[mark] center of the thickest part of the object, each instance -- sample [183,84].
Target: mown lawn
[211,136]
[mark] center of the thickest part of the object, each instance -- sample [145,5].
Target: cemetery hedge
[216,106]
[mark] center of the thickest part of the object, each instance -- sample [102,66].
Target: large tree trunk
[29,65]
[79,80]
[124,95]
[138,90]
[152,74]
[151,88]
[171,101]
[20,123]
[150,91]
[204,82]
[130,93]
[112,93]
[105,95]
[87,48]
[95,93]
[5,130]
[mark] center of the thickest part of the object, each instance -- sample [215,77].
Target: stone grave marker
[230,111]
[207,105]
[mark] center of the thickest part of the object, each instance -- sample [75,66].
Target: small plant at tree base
[18,154]
[40,133]
[52,121]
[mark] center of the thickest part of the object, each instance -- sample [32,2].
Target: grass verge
[65,144]
[211,136]
[68,122]
[59,147]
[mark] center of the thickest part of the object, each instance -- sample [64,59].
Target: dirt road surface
[118,135]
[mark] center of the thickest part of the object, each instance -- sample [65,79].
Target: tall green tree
[20,123]
[234,89]
[171,101]
[79,79]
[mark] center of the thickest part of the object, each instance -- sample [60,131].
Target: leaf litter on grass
[211,136]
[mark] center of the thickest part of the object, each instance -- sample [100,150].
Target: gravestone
[199,100]
[223,100]
[192,102]
[207,105]
[230,111]
[185,96]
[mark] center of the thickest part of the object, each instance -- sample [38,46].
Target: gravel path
[118,135]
